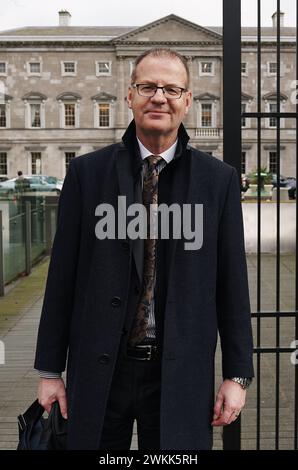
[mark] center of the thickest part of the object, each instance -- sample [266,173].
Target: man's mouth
[153,111]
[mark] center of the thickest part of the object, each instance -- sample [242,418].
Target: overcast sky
[18,13]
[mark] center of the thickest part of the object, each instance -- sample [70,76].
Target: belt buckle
[149,352]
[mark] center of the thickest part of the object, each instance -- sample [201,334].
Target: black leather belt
[142,352]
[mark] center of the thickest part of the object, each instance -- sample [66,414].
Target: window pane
[69,114]
[3,163]
[2,115]
[272,67]
[243,67]
[243,110]
[36,163]
[69,67]
[272,162]
[273,109]
[103,67]
[34,67]
[206,115]
[104,114]
[35,115]
[68,157]
[2,67]
[206,67]
[243,163]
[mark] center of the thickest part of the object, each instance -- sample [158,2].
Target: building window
[206,68]
[34,68]
[272,120]
[244,68]
[3,163]
[34,110]
[273,162]
[36,163]
[3,121]
[243,110]
[69,114]
[69,110]
[243,163]
[206,115]
[272,68]
[68,157]
[3,68]
[103,68]
[68,68]
[103,108]
[35,119]
[104,114]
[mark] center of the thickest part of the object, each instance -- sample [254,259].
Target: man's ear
[128,98]
[188,99]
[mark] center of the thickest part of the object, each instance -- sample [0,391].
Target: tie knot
[153,160]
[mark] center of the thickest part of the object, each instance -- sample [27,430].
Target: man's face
[158,115]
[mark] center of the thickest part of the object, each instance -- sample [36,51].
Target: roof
[108,33]
[63,33]
[265,31]
[68,31]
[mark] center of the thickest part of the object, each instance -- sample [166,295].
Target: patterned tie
[150,187]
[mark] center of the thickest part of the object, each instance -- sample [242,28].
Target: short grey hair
[160,52]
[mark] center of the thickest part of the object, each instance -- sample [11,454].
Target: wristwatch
[243,381]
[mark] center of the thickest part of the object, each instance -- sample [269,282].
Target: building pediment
[246,97]
[69,96]
[206,97]
[35,96]
[172,29]
[274,97]
[102,96]
[4,97]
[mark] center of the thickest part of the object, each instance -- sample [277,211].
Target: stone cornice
[162,21]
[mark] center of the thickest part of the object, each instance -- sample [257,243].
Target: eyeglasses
[148,90]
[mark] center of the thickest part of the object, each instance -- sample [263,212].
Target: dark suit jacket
[93,288]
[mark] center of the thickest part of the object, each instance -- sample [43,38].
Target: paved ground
[19,315]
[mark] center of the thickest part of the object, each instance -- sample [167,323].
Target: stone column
[120,108]
[190,120]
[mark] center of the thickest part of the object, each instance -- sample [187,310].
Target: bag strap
[32,414]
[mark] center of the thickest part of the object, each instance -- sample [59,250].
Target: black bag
[38,433]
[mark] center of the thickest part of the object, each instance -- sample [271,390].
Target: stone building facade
[63,90]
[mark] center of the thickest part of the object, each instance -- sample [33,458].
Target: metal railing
[28,225]
[232,154]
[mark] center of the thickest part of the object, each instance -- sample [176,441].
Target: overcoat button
[116,301]
[125,246]
[104,359]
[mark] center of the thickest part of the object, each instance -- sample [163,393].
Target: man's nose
[159,96]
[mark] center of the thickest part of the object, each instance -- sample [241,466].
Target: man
[139,317]
[21,184]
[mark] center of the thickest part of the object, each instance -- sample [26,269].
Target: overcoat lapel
[128,170]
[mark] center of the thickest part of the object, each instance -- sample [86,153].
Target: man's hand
[51,390]
[229,402]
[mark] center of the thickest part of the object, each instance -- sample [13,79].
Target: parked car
[38,183]
[286,182]
[292,190]
[244,183]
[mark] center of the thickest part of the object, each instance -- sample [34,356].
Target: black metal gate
[267,413]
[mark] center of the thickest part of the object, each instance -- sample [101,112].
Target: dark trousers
[134,395]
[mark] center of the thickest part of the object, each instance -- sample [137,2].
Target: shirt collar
[167,155]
